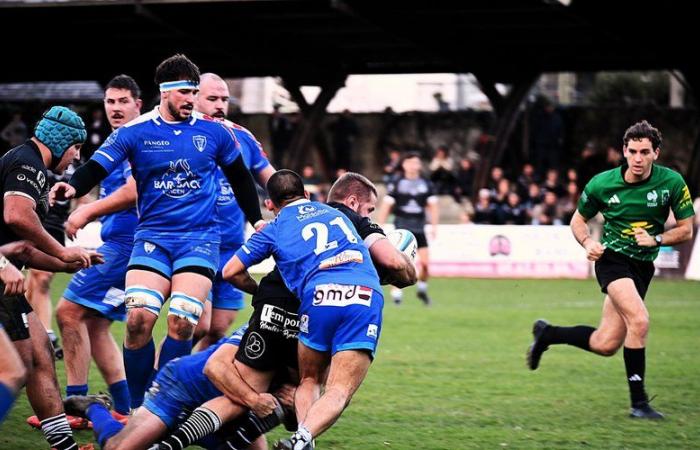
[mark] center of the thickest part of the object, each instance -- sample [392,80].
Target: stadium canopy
[320,42]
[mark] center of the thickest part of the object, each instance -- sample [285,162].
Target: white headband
[180,84]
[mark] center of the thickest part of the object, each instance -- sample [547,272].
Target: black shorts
[270,343]
[13,315]
[421,239]
[613,266]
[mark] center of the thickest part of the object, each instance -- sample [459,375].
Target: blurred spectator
[97,131]
[392,165]
[534,198]
[281,133]
[442,172]
[15,132]
[526,178]
[484,210]
[571,175]
[547,212]
[590,164]
[547,135]
[496,176]
[502,191]
[512,212]
[613,157]
[568,203]
[311,181]
[343,133]
[442,105]
[465,178]
[552,183]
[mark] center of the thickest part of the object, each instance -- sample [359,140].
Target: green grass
[453,376]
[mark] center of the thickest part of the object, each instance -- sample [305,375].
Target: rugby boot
[642,410]
[423,296]
[77,405]
[289,444]
[534,353]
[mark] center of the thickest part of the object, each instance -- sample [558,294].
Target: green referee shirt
[626,206]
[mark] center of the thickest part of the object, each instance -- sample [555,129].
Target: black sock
[635,364]
[202,422]
[58,433]
[249,428]
[577,336]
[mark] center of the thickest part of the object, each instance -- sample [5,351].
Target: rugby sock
[120,395]
[58,434]
[396,294]
[422,286]
[139,366]
[249,428]
[76,389]
[635,364]
[301,438]
[173,348]
[202,422]
[103,424]
[7,398]
[578,336]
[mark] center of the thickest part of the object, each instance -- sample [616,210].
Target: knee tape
[185,307]
[143,297]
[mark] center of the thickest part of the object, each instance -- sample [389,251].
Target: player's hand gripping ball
[404,241]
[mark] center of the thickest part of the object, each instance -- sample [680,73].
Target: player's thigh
[312,363]
[40,279]
[143,429]
[348,369]
[627,301]
[257,379]
[148,279]
[222,319]
[192,284]
[612,329]
[224,408]
[424,255]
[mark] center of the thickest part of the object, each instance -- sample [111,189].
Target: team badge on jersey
[200,142]
[149,247]
[652,198]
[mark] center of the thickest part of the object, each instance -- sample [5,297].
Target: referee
[635,201]
[56,142]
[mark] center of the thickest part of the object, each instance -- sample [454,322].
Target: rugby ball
[404,241]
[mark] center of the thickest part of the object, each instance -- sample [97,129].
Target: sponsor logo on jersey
[41,178]
[344,257]
[226,196]
[613,199]
[149,247]
[179,180]
[278,320]
[200,142]
[254,346]
[372,330]
[29,168]
[21,177]
[156,143]
[665,196]
[342,295]
[307,211]
[177,132]
[304,323]
[652,198]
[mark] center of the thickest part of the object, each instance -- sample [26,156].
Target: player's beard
[178,113]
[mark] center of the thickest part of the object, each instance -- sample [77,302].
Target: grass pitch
[453,376]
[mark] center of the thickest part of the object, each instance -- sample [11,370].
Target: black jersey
[364,225]
[59,212]
[411,196]
[23,173]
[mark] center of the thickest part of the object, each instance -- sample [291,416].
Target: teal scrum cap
[59,129]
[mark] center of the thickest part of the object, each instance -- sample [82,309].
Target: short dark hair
[641,130]
[177,67]
[351,183]
[125,82]
[284,185]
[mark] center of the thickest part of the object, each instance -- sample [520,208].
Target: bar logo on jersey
[200,142]
[179,180]
[342,295]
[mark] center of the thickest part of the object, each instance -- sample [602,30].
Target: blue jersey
[174,165]
[119,226]
[231,218]
[312,244]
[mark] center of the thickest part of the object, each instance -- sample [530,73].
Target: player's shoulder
[667,173]
[145,119]
[605,178]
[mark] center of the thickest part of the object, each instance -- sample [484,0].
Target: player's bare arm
[402,271]
[579,226]
[682,232]
[235,273]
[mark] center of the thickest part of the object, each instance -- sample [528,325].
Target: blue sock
[104,425]
[7,398]
[120,395]
[76,389]
[139,365]
[173,348]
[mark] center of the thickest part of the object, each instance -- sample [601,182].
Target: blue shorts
[101,287]
[333,318]
[223,295]
[168,255]
[180,386]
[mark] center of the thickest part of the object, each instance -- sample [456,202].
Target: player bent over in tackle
[635,200]
[321,257]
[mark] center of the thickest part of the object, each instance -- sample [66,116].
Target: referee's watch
[3,262]
[659,240]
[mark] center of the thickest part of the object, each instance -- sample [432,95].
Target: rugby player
[635,200]
[174,154]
